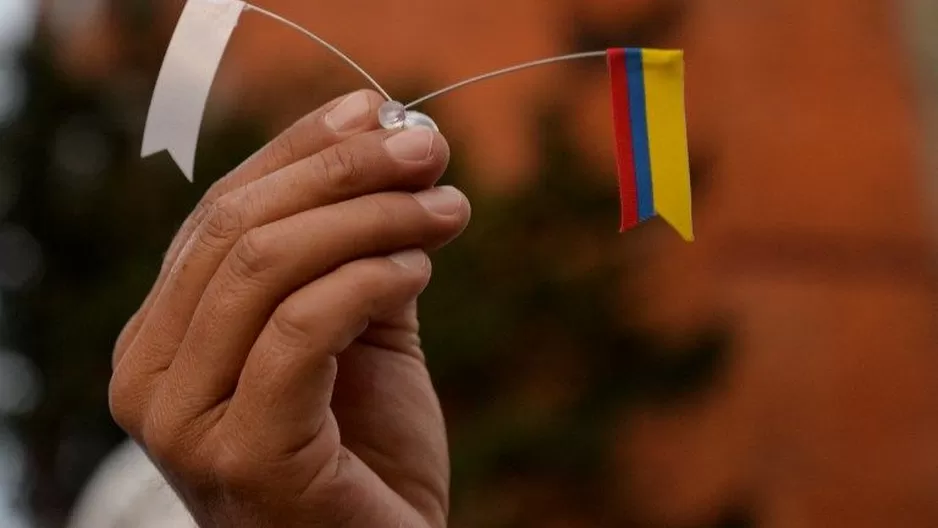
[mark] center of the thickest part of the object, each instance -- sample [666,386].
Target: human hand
[274,373]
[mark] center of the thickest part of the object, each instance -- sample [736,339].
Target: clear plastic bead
[392,115]
[415,119]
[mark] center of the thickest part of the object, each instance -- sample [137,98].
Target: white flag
[186,78]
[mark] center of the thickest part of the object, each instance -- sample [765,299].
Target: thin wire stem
[323,42]
[512,69]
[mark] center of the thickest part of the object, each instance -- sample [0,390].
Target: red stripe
[625,157]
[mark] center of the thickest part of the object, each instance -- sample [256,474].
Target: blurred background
[780,372]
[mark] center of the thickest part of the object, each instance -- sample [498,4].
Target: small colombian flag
[651,137]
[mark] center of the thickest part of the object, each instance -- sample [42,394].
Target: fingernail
[414,259]
[441,200]
[413,144]
[350,114]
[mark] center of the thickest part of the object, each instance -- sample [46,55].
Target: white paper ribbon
[186,78]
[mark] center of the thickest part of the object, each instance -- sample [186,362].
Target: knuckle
[281,151]
[173,443]
[366,274]
[341,166]
[292,144]
[250,258]
[383,223]
[158,443]
[223,223]
[122,403]
[201,210]
[384,209]
[291,323]
[215,191]
[160,440]
[366,278]
[126,337]
[235,467]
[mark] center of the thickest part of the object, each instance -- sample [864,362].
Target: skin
[274,373]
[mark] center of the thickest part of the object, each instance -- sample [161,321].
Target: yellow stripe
[667,137]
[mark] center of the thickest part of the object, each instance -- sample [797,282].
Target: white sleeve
[128,491]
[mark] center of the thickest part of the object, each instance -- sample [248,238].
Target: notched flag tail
[651,137]
[188,71]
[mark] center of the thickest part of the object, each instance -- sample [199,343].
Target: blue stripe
[635,70]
